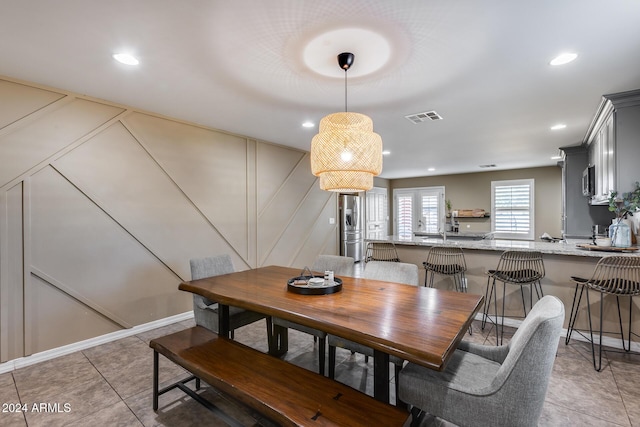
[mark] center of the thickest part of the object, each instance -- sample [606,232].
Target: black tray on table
[305,289]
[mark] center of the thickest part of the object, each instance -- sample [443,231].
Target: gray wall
[102,207]
[473,191]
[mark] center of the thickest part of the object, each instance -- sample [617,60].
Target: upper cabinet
[613,143]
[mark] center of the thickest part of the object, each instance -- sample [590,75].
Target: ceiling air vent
[488,166]
[423,117]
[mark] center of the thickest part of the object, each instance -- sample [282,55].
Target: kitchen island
[561,260]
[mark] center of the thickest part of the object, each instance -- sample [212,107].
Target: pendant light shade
[346,154]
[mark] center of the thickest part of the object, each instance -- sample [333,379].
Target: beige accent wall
[102,206]
[473,191]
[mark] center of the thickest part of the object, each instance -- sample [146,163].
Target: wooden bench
[285,393]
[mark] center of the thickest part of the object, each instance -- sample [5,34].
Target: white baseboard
[606,341]
[91,342]
[113,336]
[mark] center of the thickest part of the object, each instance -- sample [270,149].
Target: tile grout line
[24,413]
[112,388]
[624,403]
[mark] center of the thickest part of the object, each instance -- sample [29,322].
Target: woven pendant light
[346,154]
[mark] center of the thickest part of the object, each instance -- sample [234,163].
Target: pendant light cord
[345,91]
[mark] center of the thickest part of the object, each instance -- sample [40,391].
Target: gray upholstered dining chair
[491,385]
[206,311]
[398,272]
[341,266]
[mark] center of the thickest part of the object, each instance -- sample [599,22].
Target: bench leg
[181,385]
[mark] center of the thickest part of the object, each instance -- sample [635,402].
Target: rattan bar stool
[515,268]
[381,251]
[446,261]
[614,275]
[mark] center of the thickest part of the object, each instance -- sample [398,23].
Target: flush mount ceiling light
[126,58]
[563,58]
[558,126]
[346,154]
[308,125]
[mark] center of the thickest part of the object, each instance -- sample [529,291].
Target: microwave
[588,181]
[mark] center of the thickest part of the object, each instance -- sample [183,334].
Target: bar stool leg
[504,288]
[593,350]
[600,343]
[630,306]
[487,302]
[574,313]
[541,294]
[524,305]
[628,347]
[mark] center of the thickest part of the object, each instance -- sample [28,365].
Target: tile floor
[110,385]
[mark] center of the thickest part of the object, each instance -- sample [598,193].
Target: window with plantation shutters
[512,209]
[430,216]
[418,210]
[404,215]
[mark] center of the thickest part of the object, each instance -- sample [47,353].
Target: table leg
[279,343]
[155,380]
[381,376]
[223,321]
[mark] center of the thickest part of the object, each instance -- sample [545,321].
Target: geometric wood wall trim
[88,303]
[35,139]
[25,101]
[138,195]
[83,255]
[93,199]
[209,168]
[11,273]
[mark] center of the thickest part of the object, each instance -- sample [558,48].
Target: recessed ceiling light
[563,58]
[126,58]
[308,125]
[386,152]
[431,169]
[558,126]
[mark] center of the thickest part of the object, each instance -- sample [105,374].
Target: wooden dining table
[418,324]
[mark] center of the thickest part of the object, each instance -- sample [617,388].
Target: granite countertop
[558,248]
[459,234]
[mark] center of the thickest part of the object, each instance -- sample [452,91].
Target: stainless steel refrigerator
[351,230]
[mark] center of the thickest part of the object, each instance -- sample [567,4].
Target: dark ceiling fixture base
[345,60]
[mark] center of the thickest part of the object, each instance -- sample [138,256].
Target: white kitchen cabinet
[613,142]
